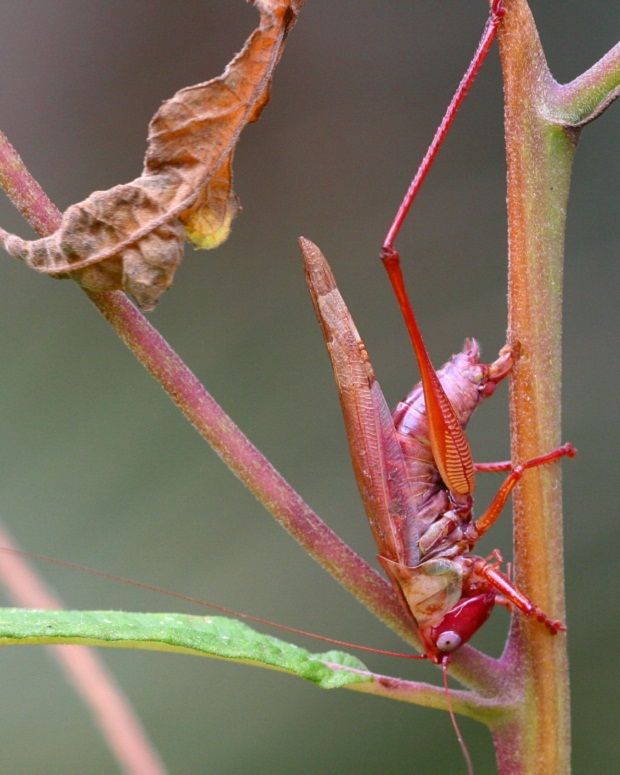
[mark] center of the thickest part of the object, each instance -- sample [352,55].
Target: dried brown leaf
[130,237]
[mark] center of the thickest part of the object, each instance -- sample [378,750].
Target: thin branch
[25,192]
[271,489]
[488,711]
[87,673]
[246,462]
[584,99]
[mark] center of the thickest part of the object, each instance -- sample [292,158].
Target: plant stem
[542,126]
[199,407]
[248,464]
[86,672]
[543,120]
[539,156]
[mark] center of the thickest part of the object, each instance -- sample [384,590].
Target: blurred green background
[99,468]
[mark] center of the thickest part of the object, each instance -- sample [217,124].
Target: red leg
[494,510]
[488,36]
[495,559]
[493,468]
[448,441]
[514,596]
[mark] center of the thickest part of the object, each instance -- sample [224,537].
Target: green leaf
[208,636]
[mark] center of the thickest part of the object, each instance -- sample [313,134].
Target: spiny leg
[490,516]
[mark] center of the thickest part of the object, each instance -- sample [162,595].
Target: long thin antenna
[204,603]
[466,755]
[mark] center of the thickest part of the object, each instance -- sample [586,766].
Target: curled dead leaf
[131,237]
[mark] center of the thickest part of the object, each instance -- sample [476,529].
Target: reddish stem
[87,673]
[251,467]
[214,425]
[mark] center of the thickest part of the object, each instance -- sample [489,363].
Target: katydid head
[447,616]
[443,639]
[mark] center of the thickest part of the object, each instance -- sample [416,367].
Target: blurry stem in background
[83,668]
